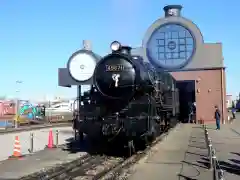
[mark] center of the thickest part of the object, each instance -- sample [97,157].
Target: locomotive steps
[93,166]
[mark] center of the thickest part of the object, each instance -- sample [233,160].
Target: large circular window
[171,46]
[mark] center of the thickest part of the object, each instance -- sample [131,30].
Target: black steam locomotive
[128,99]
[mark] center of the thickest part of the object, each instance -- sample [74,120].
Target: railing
[31,141]
[218,173]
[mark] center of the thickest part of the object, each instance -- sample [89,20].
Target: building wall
[210,91]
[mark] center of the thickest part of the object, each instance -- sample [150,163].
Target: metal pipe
[6,124]
[206,138]
[79,95]
[223,90]
[220,175]
[209,141]
[210,155]
[17,104]
[77,117]
[57,133]
[31,143]
[17,116]
[214,163]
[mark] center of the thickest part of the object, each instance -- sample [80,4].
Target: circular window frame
[167,67]
[190,25]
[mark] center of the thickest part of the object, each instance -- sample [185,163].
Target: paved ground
[179,157]
[182,156]
[227,145]
[40,140]
[15,169]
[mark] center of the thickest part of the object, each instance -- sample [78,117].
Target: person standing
[190,112]
[194,112]
[217,117]
[233,113]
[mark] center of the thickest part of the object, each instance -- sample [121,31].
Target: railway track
[95,167]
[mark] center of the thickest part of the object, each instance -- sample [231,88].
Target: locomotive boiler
[124,101]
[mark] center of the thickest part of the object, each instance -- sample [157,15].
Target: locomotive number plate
[117,67]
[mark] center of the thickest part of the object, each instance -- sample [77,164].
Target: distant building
[229,100]
[7,108]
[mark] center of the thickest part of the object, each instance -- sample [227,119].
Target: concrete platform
[180,156]
[227,145]
[15,169]
[40,140]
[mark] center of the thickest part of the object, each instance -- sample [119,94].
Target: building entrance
[186,99]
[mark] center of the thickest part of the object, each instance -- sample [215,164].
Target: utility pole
[18,82]
[86,46]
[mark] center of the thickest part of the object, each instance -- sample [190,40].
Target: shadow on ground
[230,167]
[235,153]
[102,146]
[185,177]
[95,147]
[204,161]
[195,156]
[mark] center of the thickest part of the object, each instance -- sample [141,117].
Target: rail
[218,173]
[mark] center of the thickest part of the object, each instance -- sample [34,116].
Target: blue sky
[38,37]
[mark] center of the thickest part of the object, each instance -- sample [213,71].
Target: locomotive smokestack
[172,10]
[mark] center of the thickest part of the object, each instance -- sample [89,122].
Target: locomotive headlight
[82,65]
[115,46]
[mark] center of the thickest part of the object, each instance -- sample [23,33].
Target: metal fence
[214,165]
[14,121]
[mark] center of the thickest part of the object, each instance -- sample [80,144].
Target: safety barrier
[50,145]
[214,165]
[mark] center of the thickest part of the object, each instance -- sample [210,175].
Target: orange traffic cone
[17,149]
[50,140]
